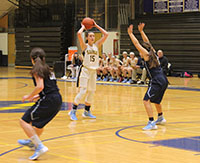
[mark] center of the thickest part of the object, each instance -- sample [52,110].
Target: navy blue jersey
[155,71]
[157,85]
[50,85]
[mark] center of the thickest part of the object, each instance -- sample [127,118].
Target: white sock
[36,140]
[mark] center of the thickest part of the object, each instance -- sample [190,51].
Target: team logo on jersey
[92,52]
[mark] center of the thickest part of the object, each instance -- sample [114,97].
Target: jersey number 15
[92,58]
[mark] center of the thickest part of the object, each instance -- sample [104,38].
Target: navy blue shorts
[156,90]
[44,110]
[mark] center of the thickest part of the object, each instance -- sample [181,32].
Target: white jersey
[115,63]
[133,61]
[104,62]
[91,57]
[125,62]
[109,61]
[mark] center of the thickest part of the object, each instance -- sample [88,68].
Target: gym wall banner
[191,5]
[175,6]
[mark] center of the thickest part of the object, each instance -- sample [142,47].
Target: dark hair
[153,60]
[40,68]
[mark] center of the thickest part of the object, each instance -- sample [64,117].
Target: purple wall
[148,6]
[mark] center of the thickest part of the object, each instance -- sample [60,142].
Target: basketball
[88,23]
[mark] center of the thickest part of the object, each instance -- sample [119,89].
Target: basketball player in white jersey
[126,69]
[133,60]
[108,66]
[102,67]
[115,69]
[133,64]
[87,75]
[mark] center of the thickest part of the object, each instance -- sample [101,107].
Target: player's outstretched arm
[104,32]
[141,30]
[80,38]
[136,43]
[142,33]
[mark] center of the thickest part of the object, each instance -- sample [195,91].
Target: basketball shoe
[72,115]
[161,120]
[150,126]
[88,114]
[27,142]
[41,149]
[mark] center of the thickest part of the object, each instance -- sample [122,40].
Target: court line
[14,149]
[58,137]
[17,106]
[80,133]
[116,84]
[117,133]
[24,85]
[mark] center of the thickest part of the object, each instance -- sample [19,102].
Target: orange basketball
[88,22]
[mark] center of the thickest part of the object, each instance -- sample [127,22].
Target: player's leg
[99,73]
[134,75]
[29,131]
[143,77]
[79,96]
[88,101]
[82,82]
[91,88]
[144,74]
[108,69]
[125,75]
[112,72]
[41,116]
[34,141]
[73,69]
[105,72]
[117,75]
[158,98]
[119,70]
[151,125]
[150,97]
[129,69]
[161,120]
[38,131]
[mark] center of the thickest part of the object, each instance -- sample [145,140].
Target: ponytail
[153,59]
[40,68]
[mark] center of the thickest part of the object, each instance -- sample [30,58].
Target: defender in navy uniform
[46,107]
[158,81]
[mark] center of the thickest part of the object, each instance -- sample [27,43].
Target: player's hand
[82,26]
[25,98]
[34,98]
[141,27]
[130,29]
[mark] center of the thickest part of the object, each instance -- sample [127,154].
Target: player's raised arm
[141,30]
[104,37]
[143,34]
[136,43]
[80,38]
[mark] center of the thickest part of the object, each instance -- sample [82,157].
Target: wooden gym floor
[116,135]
